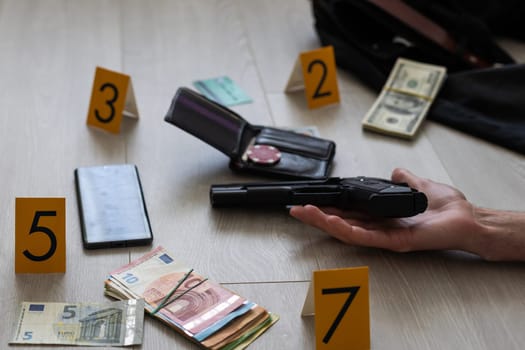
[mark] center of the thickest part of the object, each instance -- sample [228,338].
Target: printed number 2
[318,93]
[109,102]
[352,293]
[47,231]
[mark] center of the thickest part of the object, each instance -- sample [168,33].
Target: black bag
[369,35]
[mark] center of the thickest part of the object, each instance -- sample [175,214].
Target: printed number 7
[353,291]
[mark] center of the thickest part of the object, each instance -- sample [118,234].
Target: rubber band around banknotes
[186,291]
[164,300]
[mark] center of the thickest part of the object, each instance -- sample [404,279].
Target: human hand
[448,223]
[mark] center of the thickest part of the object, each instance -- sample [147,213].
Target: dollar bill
[405,99]
[117,323]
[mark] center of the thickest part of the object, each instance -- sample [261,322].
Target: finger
[438,190]
[332,211]
[331,224]
[377,237]
[309,214]
[350,214]
[404,175]
[344,230]
[315,216]
[336,211]
[312,215]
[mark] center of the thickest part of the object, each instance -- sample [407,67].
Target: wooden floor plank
[49,51]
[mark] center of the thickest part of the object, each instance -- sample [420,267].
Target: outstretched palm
[448,222]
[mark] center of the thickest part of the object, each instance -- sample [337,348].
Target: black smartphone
[111,207]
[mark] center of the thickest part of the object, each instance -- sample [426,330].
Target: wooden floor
[48,54]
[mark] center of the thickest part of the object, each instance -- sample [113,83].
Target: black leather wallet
[251,148]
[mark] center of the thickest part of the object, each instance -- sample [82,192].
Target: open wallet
[252,148]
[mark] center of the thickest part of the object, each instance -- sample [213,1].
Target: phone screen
[111,206]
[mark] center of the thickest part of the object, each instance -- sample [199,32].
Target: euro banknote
[118,323]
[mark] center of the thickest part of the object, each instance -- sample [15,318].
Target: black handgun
[373,196]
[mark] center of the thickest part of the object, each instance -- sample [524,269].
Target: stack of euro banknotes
[199,309]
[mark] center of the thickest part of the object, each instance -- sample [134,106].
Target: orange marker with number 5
[40,235]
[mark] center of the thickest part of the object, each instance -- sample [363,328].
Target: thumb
[402,175]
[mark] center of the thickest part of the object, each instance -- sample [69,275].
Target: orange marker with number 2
[320,78]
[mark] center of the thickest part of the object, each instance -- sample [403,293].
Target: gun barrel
[235,196]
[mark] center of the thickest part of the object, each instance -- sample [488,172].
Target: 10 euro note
[405,99]
[118,323]
[196,304]
[199,309]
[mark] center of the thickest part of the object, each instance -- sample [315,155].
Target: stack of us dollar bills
[199,309]
[405,99]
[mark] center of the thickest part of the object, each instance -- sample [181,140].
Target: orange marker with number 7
[342,318]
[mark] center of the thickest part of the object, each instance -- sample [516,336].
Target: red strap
[428,28]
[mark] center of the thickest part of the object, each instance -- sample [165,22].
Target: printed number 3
[109,102]
[318,93]
[47,232]
[352,293]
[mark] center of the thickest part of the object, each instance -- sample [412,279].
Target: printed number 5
[47,232]
[353,291]
[318,92]
[69,311]
[28,336]
[109,102]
